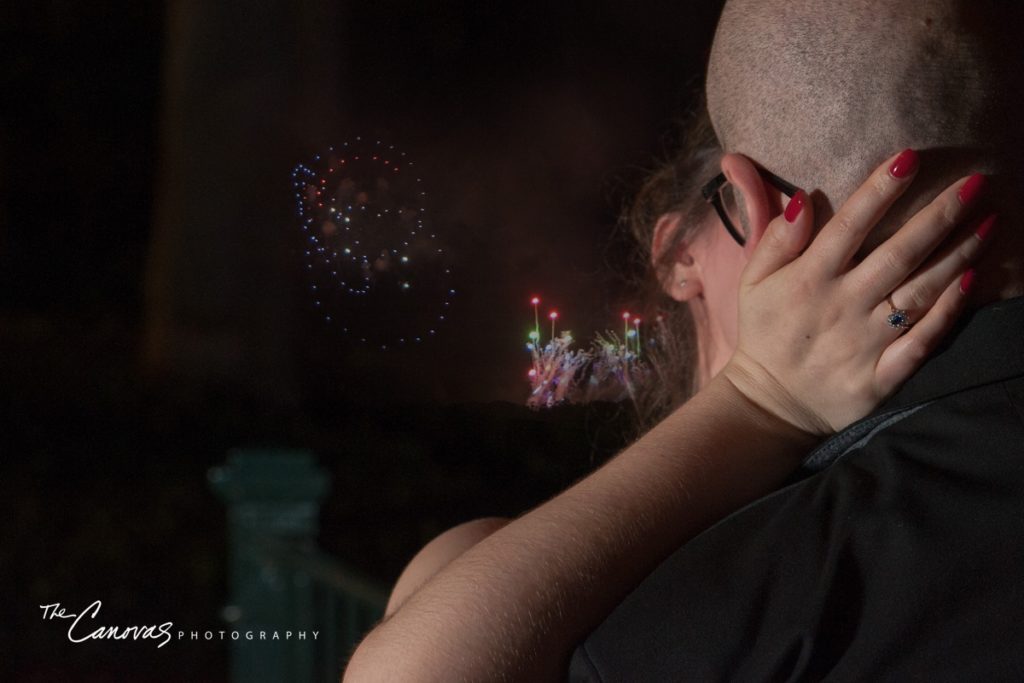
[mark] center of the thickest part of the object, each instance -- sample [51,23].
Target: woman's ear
[757,203]
[678,273]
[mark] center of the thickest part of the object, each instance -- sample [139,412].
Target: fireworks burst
[611,370]
[376,269]
[555,372]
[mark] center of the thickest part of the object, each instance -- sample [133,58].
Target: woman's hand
[824,339]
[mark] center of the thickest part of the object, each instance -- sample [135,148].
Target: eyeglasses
[719,193]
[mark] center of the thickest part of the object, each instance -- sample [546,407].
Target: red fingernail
[967,281]
[795,206]
[984,228]
[971,189]
[905,164]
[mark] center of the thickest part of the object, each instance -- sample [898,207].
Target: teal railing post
[273,499]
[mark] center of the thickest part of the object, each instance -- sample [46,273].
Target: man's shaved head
[821,91]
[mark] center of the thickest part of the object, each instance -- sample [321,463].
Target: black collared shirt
[898,556]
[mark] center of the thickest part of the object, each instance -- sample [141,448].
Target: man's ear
[759,204]
[678,273]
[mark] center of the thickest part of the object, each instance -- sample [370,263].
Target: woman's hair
[673,187]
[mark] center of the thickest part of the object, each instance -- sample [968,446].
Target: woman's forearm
[514,606]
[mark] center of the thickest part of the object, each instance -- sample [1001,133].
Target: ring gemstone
[899,318]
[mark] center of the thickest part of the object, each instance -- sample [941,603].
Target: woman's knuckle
[966,251]
[921,296]
[920,348]
[843,223]
[916,349]
[882,184]
[854,385]
[896,259]
[777,238]
[949,214]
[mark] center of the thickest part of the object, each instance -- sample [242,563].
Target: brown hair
[673,187]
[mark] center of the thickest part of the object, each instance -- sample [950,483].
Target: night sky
[530,128]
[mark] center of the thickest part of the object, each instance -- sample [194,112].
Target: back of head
[822,91]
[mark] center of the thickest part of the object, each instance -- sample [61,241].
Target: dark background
[153,312]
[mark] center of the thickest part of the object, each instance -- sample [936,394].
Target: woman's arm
[514,606]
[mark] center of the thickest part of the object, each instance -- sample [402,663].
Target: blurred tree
[248,89]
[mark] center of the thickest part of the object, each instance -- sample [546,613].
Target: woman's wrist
[765,408]
[770,401]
